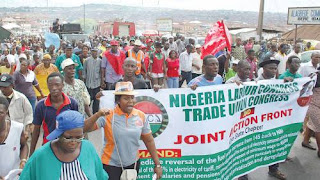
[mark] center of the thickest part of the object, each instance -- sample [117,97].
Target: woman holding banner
[123,128]
[314,112]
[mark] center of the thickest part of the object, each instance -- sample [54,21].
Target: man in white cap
[137,54]
[231,72]
[75,88]
[196,62]
[172,44]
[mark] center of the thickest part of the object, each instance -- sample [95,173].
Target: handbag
[127,174]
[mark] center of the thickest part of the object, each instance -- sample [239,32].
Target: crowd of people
[58,89]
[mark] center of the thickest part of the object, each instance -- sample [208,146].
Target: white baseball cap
[236,61]
[67,62]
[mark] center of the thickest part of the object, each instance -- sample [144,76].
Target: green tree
[90,24]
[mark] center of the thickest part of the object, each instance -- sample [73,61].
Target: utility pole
[84,17]
[260,21]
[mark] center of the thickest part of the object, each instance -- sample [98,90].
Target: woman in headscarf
[67,156]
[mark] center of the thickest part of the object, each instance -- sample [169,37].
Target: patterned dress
[314,111]
[78,91]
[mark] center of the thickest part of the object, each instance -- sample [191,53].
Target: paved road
[305,164]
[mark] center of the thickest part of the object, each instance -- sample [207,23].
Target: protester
[84,54]
[78,50]
[92,77]
[180,46]
[296,51]
[172,64]
[210,77]
[111,65]
[197,62]
[42,71]
[47,109]
[75,88]
[309,47]
[185,66]
[165,50]
[157,66]
[243,73]
[69,55]
[293,67]
[121,148]
[20,109]
[249,45]
[53,55]
[7,68]
[103,47]
[223,57]
[172,44]
[306,70]
[282,57]
[270,68]
[67,155]
[310,67]
[13,144]
[24,80]
[238,51]
[138,55]
[313,123]
[36,60]
[253,64]
[231,72]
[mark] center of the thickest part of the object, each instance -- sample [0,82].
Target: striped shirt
[72,171]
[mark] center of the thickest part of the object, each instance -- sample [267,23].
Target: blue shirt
[45,114]
[110,75]
[202,81]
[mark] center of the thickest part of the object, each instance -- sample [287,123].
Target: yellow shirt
[5,70]
[42,74]
[308,49]
[103,49]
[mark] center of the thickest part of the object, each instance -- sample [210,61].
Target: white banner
[221,132]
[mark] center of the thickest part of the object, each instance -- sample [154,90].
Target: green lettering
[174,100]
[191,100]
[206,113]
[221,97]
[200,99]
[187,114]
[197,116]
[208,97]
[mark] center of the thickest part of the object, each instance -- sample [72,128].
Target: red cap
[114,43]
[149,40]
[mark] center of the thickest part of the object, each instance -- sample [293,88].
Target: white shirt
[10,151]
[166,53]
[306,69]
[185,62]
[173,46]
[283,61]
[294,54]
[198,61]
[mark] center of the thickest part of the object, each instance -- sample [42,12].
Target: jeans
[173,82]
[185,76]
[194,75]
[95,105]
[32,101]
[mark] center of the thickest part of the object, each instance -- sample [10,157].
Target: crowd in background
[38,82]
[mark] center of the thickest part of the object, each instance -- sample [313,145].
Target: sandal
[277,174]
[308,146]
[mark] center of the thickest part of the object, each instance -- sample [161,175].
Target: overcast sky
[245,5]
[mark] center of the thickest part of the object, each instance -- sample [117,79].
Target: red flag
[217,39]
